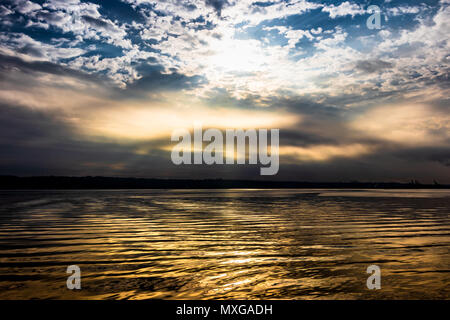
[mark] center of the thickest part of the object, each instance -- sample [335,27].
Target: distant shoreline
[67,183]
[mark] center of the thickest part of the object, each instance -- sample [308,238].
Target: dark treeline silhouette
[55,182]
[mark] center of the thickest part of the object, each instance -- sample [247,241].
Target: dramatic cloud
[103,85]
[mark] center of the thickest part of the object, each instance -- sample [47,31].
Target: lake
[225,244]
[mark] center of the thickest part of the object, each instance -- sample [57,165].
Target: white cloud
[25,6]
[25,46]
[344,9]
[396,11]
[80,18]
[229,60]
[119,69]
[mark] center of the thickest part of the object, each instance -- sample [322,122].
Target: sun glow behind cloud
[412,124]
[322,153]
[140,123]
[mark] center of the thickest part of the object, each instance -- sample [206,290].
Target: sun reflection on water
[224,244]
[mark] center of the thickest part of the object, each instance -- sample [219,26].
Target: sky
[97,87]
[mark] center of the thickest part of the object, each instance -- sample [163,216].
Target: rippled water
[225,244]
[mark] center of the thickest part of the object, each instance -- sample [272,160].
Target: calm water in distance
[225,244]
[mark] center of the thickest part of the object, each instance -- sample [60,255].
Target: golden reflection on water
[225,244]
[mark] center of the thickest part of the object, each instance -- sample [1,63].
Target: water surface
[225,244]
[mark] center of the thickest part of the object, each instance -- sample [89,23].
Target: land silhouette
[90,182]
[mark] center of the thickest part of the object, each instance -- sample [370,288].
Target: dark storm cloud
[10,63]
[190,6]
[23,126]
[441,79]
[440,155]
[370,66]
[379,167]
[95,22]
[40,143]
[300,137]
[365,96]
[155,79]
[49,16]
[31,50]
[442,105]
[307,106]
[4,11]
[218,5]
